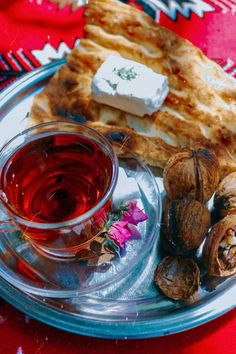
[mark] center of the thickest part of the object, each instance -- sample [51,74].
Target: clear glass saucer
[29,270]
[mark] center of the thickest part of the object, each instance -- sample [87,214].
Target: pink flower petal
[134,231]
[120,233]
[133,214]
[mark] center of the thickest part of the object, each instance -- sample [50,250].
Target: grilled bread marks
[153,149]
[200,110]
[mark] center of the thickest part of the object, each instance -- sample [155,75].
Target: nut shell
[177,277]
[192,173]
[225,196]
[185,225]
[217,262]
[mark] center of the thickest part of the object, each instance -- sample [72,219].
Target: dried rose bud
[85,255]
[177,277]
[192,173]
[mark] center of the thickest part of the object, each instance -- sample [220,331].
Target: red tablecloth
[19,334]
[32,31]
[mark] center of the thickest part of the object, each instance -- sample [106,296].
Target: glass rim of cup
[90,212]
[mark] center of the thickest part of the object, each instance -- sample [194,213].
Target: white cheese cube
[129,86]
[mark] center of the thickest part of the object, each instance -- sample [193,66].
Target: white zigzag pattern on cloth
[230,67]
[225,5]
[199,7]
[45,55]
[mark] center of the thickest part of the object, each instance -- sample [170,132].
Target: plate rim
[108,330]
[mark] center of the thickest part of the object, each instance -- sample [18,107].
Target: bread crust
[199,111]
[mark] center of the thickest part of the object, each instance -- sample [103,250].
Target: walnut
[225,196]
[185,225]
[219,251]
[177,277]
[192,173]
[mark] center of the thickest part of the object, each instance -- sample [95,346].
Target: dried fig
[177,277]
[225,196]
[185,225]
[219,251]
[194,173]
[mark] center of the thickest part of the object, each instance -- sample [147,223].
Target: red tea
[54,179]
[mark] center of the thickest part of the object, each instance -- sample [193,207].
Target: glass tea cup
[56,186]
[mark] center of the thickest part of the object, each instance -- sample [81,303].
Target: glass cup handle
[6,224]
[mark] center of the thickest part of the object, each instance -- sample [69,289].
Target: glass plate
[131,307]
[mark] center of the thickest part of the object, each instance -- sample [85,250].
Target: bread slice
[199,111]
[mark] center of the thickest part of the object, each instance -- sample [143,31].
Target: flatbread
[199,111]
